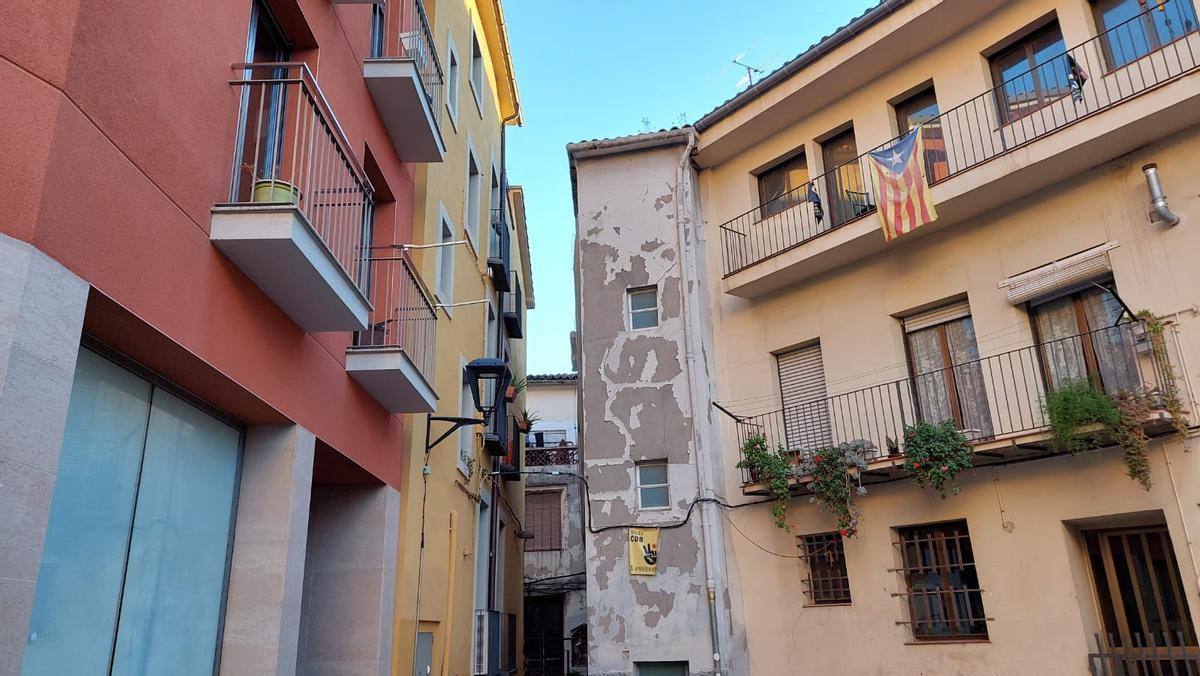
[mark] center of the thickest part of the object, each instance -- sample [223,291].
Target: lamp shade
[488,378]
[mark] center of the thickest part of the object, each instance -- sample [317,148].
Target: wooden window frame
[828,585]
[1090,360]
[630,312]
[948,530]
[931,163]
[1024,43]
[788,202]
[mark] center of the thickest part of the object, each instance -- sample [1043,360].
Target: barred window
[941,583]
[827,582]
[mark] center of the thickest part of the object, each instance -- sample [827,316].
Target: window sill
[842,604]
[478,99]
[452,115]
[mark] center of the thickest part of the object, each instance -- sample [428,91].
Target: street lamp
[488,378]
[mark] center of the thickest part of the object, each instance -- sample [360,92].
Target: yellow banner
[643,551]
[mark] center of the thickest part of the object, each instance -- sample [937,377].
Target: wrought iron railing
[402,316]
[1155,653]
[407,36]
[1120,63]
[291,151]
[553,455]
[993,397]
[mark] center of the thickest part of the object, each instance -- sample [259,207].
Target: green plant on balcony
[773,469]
[526,420]
[1128,431]
[1073,405]
[1168,389]
[935,454]
[834,476]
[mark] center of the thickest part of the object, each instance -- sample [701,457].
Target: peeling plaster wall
[636,406]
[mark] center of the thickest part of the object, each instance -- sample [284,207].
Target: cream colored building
[745,308]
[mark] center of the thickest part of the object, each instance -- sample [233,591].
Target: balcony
[980,155]
[300,205]
[995,401]
[514,308]
[547,456]
[393,358]
[407,83]
[499,250]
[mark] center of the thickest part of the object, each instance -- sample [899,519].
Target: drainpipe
[451,567]
[703,469]
[1158,200]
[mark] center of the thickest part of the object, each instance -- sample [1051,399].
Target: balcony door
[260,147]
[848,198]
[1131,32]
[947,376]
[805,406]
[1142,604]
[1082,337]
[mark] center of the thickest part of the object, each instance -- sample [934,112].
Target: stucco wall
[636,407]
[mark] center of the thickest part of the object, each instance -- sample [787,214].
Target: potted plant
[274,191]
[526,420]
[834,475]
[1073,405]
[514,388]
[935,454]
[893,447]
[774,470]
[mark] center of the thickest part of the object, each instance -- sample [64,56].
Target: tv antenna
[750,70]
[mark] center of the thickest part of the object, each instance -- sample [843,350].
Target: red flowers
[844,532]
[916,465]
[817,458]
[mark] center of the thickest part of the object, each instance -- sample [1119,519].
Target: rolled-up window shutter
[938,315]
[1059,275]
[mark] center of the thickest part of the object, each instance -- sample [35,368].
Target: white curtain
[937,381]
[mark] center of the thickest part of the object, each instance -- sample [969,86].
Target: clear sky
[590,70]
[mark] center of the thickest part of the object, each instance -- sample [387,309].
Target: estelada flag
[901,189]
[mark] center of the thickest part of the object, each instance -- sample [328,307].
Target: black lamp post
[488,378]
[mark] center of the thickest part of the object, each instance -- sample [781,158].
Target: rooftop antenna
[750,70]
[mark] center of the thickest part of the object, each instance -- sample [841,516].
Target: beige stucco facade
[1058,188]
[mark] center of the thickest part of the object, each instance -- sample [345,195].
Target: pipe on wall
[1158,199]
[451,568]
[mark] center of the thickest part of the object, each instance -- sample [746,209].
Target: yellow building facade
[459,521]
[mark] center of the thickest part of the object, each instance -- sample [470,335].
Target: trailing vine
[834,476]
[1073,405]
[935,454]
[773,469]
[1169,388]
[1133,408]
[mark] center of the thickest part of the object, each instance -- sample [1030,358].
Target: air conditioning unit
[481,644]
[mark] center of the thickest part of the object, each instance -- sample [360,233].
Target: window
[543,517]
[652,486]
[466,435]
[662,668]
[1141,599]
[941,583]
[137,542]
[477,71]
[827,582]
[264,108]
[493,334]
[474,197]
[945,368]
[1082,338]
[922,108]
[843,178]
[452,85]
[1133,32]
[377,24]
[643,308]
[779,186]
[805,406]
[1030,73]
[445,285]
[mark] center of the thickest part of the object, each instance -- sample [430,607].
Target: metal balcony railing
[499,245]
[403,316]
[407,36]
[291,150]
[1121,63]
[996,397]
[551,455]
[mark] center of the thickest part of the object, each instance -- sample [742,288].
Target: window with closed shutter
[805,407]
[543,516]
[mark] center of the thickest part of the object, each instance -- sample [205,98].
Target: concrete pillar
[266,576]
[350,585]
[41,318]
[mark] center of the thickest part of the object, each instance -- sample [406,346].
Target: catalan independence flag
[901,189]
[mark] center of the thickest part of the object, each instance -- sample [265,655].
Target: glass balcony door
[947,375]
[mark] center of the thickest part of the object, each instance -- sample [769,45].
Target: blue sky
[600,69]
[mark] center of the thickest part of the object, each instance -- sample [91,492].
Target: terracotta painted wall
[127,123]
